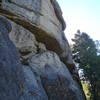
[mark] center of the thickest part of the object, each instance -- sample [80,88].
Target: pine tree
[86,55]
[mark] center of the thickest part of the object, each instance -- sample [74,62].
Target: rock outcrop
[35,59]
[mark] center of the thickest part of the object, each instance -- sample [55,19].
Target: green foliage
[86,50]
[9,1]
[97,42]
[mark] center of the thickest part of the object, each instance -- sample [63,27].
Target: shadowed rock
[42,70]
[56,79]
[11,74]
[18,82]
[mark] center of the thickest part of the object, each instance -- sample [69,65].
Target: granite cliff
[35,59]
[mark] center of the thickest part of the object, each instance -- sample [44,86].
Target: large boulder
[24,40]
[18,82]
[34,89]
[44,19]
[11,74]
[55,77]
[41,70]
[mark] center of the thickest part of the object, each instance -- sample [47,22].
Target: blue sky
[83,15]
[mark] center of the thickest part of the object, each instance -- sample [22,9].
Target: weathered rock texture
[35,59]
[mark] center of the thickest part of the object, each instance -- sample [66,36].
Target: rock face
[35,59]
[18,82]
[55,77]
[44,19]
[10,66]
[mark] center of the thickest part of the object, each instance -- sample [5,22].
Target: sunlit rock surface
[35,59]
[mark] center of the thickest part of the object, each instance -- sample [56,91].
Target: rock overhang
[46,23]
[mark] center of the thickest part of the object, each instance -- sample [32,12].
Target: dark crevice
[0,2]
[41,35]
[23,53]
[9,1]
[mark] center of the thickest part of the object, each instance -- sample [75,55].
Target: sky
[83,15]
